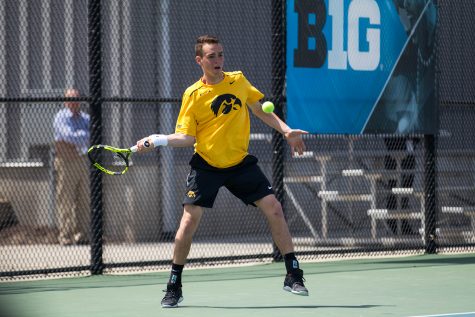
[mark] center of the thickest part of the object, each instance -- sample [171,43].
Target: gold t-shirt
[218,117]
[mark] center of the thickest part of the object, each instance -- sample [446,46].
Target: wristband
[159,140]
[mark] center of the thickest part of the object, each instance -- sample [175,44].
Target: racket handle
[135,148]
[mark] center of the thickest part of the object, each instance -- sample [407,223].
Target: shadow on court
[282,307]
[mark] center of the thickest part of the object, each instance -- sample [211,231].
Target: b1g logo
[361,18]
[340,55]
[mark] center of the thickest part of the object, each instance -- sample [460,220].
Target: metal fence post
[430,191]
[278,81]
[95,91]
[430,168]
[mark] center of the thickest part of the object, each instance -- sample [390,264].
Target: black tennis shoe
[173,296]
[294,283]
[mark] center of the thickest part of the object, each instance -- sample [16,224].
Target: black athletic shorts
[245,181]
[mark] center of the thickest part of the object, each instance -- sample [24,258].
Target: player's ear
[198,60]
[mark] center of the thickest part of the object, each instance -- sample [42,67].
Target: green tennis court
[428,285]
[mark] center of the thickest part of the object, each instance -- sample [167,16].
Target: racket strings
[119,160]
[112,162]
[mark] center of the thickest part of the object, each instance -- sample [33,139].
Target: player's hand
[142,145]
[294,139]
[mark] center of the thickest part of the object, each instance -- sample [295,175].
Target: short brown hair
[204,39]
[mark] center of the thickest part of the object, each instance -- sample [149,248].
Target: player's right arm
[185,129]
[173,140]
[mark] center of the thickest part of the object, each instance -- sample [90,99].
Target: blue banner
[352,68]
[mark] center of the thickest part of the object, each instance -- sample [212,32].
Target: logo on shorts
[225,103]
[191,194]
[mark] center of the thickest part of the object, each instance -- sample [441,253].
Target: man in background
[71,136]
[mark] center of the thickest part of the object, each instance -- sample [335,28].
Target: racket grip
[135,148]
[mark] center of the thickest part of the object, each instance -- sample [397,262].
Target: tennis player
[214,117]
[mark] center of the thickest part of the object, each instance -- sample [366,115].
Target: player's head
[202,40]
[73,106]
[209,55]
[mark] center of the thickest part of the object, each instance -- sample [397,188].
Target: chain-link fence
[131,60]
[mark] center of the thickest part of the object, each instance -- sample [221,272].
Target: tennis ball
[268,107]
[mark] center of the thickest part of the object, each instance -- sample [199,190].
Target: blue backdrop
[353,66]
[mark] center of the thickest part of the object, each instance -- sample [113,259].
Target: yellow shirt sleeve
[254,94]
[186,123]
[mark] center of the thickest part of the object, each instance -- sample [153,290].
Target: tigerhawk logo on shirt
[225,103]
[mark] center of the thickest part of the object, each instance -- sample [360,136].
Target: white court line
[467,314]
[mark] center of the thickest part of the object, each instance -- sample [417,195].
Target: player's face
[212,60]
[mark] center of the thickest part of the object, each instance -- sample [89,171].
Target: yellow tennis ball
[268,107]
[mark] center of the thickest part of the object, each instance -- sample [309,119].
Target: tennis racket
[111,160]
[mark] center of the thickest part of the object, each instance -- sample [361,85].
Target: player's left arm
[293,136]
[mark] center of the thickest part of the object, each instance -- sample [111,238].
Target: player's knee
[273,208]
[188,224]
[277,206]
[190,220]
[277,211]
[186,231]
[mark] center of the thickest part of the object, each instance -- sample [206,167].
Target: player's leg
[202,188]
[251,185]
[274,214]
[272,209]
[184,236]
[188,225]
